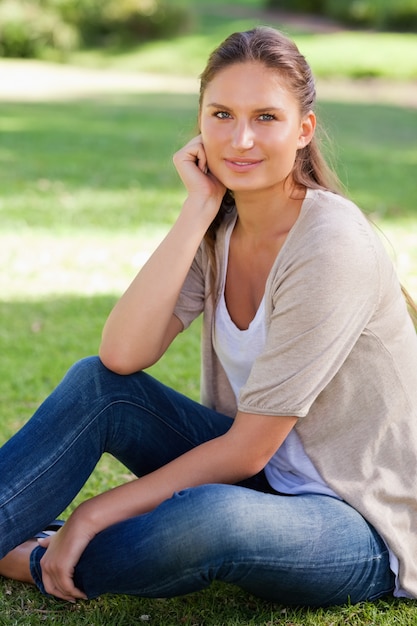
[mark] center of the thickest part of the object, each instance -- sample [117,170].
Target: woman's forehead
[247,83]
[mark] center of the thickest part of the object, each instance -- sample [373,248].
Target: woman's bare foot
[16,564]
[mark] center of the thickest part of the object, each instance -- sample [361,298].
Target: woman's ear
[307,128]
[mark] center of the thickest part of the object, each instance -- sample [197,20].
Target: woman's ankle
[16,564]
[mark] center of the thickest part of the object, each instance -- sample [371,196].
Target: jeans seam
[56,459]
[154,415]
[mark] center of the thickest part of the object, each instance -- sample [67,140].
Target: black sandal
[51,529]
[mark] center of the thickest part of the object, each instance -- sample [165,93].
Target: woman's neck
[262,215]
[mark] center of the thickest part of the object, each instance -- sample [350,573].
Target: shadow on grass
[376,155]
[101,163]
[108,163]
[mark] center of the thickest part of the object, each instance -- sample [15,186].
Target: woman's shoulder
[330,218]
[332,237]
[331,208]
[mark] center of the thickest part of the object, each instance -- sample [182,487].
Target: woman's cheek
[212,163]
[215,169]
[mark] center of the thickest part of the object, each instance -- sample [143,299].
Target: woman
[294,479]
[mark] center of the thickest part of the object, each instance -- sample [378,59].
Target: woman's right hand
[192,167]
[142,324]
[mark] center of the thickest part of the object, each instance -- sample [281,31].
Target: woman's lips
[242,165]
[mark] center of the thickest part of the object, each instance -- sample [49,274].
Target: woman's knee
[90,370]
[89,375]
[86,368]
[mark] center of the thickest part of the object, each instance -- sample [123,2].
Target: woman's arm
[238,454]
[142,325]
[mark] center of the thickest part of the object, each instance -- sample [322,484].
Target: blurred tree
[380,14]
[28,27]
[101,22]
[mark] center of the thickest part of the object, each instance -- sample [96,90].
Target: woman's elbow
[118,362]
[254,465]
[114,366]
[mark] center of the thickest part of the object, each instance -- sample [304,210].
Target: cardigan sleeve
[322,292]
[191,300]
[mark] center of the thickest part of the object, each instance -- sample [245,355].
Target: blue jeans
[303,550]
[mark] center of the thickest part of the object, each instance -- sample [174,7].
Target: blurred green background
[95,97]
[56,28]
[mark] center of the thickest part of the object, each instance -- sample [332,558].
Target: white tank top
[290,470]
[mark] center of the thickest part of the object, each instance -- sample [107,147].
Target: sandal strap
[49,530]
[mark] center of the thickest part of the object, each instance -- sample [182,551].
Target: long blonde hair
[270,47]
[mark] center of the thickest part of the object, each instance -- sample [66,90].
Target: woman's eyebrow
[216,105]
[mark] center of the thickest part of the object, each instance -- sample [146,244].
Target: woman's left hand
[64,550]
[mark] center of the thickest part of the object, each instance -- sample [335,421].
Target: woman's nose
[243,138]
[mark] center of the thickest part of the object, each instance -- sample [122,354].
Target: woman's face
[251,127]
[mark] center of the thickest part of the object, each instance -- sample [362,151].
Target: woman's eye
[266,117]
[222,115]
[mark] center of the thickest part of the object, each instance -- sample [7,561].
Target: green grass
[88,188]
[361,55]
[353,54]
[71,178]
[212,607]
[80,204]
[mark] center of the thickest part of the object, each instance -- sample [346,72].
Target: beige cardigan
[341,355]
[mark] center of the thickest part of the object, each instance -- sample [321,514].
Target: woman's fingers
[58,581]
[58,565]
[192,167]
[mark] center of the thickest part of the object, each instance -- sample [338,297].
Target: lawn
[88,189]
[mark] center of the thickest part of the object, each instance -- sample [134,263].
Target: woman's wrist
[199,212]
